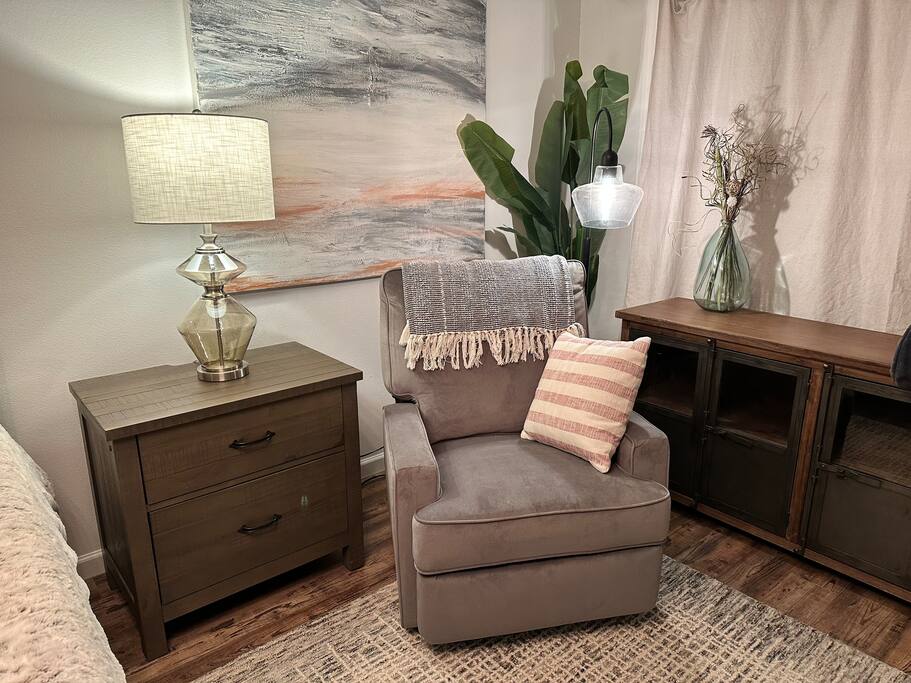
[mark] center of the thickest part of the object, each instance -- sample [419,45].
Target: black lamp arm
[609,158]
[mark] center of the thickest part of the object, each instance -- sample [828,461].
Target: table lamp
[204,168]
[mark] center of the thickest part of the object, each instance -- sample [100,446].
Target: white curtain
[830,81]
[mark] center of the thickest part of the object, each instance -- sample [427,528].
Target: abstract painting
[363,99]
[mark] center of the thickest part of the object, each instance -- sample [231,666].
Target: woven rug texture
[700,630]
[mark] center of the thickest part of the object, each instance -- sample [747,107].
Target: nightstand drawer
[193,456]
[203,541]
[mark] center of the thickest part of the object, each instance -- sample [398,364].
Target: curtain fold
[828,238]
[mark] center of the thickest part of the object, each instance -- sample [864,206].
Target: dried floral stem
[734,166]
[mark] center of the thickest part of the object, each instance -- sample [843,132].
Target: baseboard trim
[372,464]
[91,564]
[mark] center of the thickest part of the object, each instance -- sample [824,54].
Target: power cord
[372,477]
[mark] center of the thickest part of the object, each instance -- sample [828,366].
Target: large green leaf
[574,99]
[575,121]
[529,229]
[530,248]
[541,222]
[491,158]
[548,166]
[591,268]
[616,83]
[566,233]
[610,89]
[592,278]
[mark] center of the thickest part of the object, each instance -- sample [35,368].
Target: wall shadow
[770,291]
[564,17]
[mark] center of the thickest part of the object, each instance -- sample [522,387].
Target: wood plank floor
[867,619]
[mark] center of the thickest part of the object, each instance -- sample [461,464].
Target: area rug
[701,630]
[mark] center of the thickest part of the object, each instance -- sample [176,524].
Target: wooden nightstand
[203,489]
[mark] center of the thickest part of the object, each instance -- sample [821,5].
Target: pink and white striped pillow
[586,395]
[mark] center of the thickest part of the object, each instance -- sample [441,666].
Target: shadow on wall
[770,282]
[564,17]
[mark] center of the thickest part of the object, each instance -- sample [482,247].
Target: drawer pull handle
[253,529]
[725,434]
[246,444]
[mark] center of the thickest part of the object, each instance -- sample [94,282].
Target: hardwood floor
[870,621]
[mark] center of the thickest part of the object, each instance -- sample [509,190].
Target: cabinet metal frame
[836,390]
[821,480]
[823,467]
[704,352]
[789,451]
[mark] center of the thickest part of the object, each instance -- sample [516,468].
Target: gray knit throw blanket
[518,307]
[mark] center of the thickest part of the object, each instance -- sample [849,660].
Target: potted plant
[543,218]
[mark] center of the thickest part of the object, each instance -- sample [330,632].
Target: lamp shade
[198,168]
[607,202]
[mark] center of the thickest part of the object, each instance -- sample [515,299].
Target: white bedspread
[47,629]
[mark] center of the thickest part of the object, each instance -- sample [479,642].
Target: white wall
[621,35]
[528,45]
[86,292]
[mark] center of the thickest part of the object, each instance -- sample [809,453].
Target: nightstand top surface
[154,398]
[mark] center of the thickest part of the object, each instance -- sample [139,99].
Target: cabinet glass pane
[679,432]
[873,435]
[670,379]
[756,401]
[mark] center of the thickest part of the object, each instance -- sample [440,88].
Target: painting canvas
[363,99]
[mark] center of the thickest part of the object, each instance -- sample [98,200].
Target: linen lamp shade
[198,168]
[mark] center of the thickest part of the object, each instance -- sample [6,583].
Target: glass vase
[723,280]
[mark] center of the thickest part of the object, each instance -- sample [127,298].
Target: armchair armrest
[644,451]
[412,482]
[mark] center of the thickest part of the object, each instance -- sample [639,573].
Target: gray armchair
[494,534]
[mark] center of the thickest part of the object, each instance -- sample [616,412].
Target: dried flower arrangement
[734,168]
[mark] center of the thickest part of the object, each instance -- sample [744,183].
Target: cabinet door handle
[253,529]
[725,434]
[238,444]
[842,473]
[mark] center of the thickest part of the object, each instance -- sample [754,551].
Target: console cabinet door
[860,510]
[672,398]
[864,522]
[752,434]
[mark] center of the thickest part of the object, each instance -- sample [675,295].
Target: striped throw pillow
[586,395]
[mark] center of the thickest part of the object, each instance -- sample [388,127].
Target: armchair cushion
[505,499]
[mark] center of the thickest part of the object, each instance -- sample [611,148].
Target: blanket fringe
[464,349]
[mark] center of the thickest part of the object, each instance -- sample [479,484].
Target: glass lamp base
[217,328]
[214,374]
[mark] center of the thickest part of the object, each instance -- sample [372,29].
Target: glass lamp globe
[607,202]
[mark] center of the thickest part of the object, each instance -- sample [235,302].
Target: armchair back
[456,403]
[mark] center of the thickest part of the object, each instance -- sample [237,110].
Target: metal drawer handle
[725,434]
[253,529]
[246,444]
